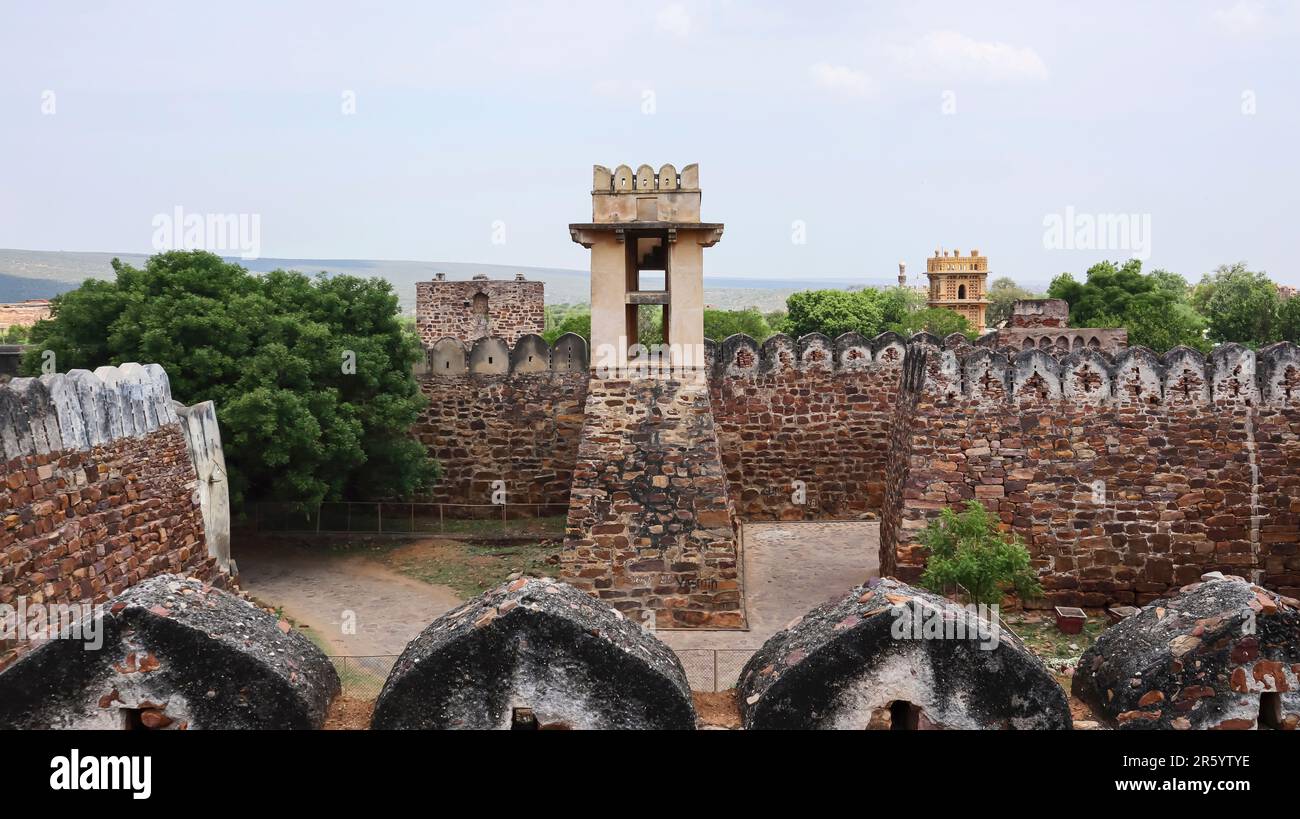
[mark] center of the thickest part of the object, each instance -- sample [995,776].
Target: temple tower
[960,284]
[646,221]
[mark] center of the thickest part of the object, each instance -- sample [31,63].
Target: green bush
[966,548]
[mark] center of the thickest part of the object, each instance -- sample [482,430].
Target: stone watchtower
[651,529]
[646,221]
[960,284]
[481,307]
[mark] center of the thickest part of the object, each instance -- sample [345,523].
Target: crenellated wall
[502,413]
[98,489]
[805,421]
[1125,477]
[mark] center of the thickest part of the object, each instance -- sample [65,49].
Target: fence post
[379,517]
[715,669]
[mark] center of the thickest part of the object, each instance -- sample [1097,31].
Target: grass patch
[469,567]
[1041,635]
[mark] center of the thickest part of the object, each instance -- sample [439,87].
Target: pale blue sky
[470,113]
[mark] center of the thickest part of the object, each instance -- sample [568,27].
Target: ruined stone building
[1043,324]
[480,308]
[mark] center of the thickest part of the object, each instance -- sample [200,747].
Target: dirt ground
[348,603]
[349,714]
[716,710]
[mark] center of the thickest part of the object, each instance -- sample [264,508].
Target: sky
[834,139]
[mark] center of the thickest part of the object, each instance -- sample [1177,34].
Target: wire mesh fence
[467,520]
[713,669]
[363,677]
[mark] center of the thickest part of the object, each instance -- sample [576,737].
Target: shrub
[966,548]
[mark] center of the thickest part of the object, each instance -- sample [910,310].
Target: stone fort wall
[1124,477]
[1199,460]
[98,488]
[502,413]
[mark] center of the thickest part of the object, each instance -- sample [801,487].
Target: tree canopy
[1003,293]
[833,312]
[311,376]
[1240,305]
[1152,307]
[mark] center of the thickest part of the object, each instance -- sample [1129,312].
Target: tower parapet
[646,221]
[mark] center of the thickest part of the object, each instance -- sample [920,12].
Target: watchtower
[959,283]
[646,221]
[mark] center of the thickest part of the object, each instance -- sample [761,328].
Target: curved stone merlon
[535,653]
[888,652]
[1221,653]
[170,653]
[492,356]
[78,410]
[203,440]
[1232,374]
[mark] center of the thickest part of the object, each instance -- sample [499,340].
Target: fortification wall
[806,420]
[98,490]
[1125,477]
[497,413]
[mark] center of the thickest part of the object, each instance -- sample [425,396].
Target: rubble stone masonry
[651,530]
[813,412]
[98,488]
[470,310]
[1124,478]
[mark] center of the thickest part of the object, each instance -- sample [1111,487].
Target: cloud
[841,79]
[953,55]
[674,19]
[1242,17]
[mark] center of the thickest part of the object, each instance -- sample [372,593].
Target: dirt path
[325,592]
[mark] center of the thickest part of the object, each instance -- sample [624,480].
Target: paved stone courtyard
[790,567]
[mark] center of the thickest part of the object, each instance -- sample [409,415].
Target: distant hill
[19,288]
[31,274]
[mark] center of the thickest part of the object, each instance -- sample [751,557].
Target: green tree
[834,312]
[1240,305]
[1003,293]
[567,319]
[937,320]
[17,334]
[966,548]
[1149,306]
[271,351]
[1288,320]
[718,324]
